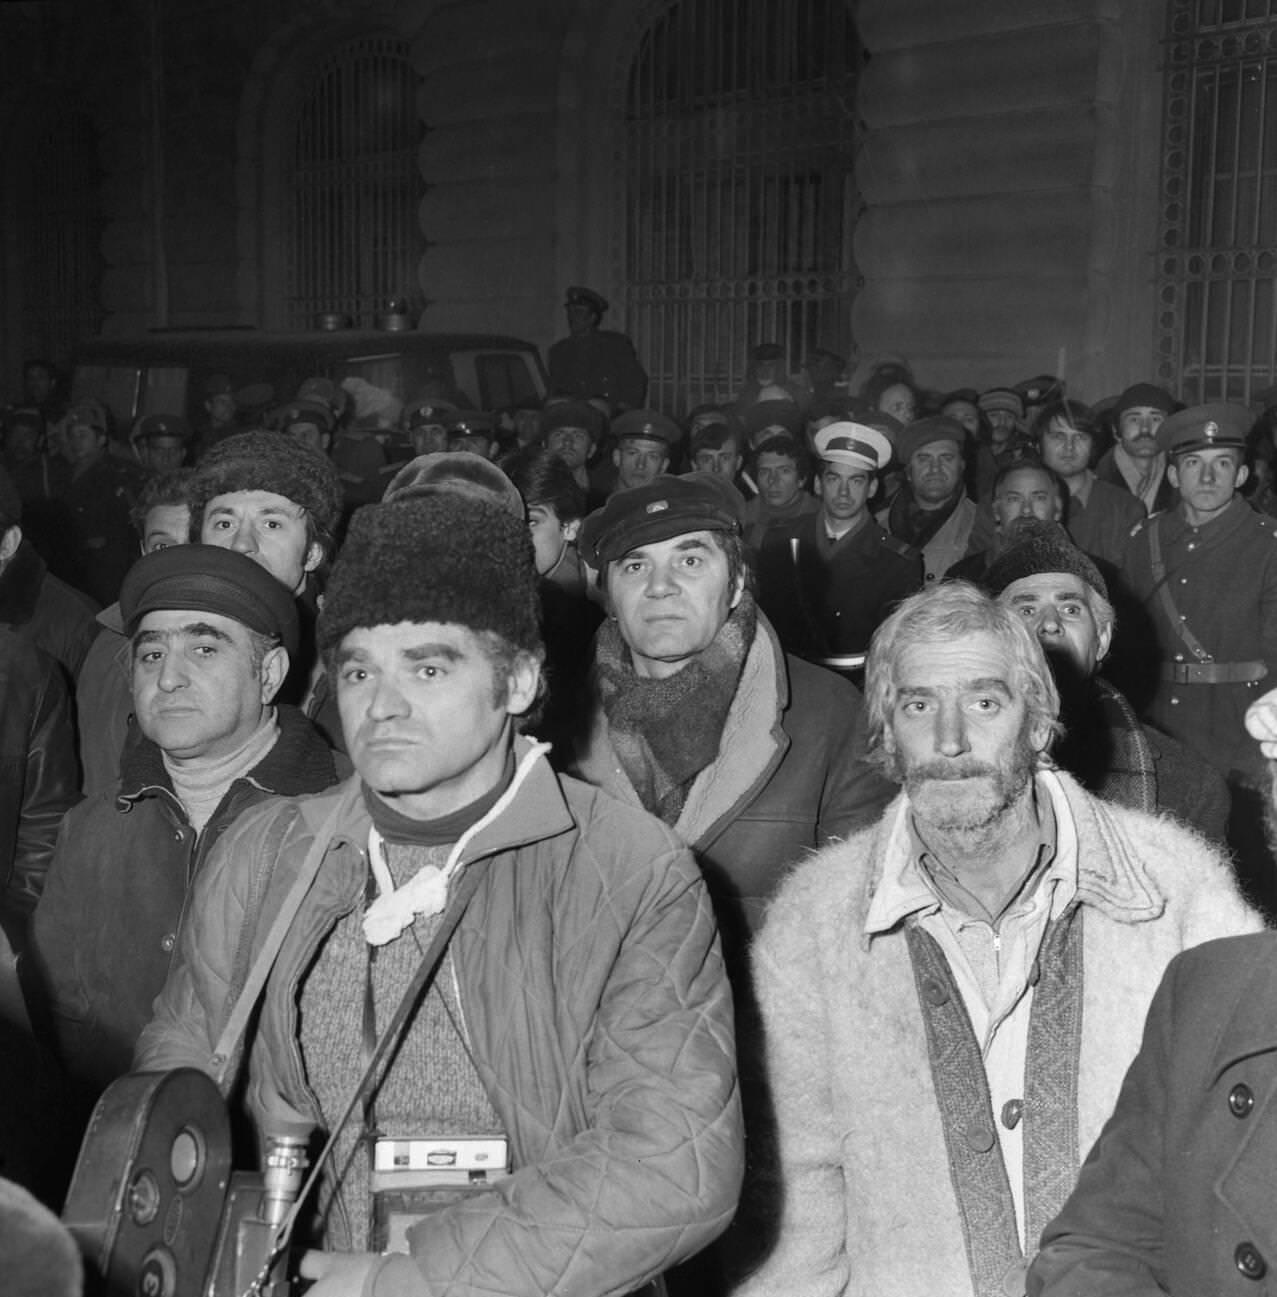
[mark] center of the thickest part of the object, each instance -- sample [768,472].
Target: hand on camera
[339,1274]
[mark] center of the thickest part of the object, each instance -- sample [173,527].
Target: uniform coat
[825,602]
[869,1200]
[1223,579]
[1177,1195]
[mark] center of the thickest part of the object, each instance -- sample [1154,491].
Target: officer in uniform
[1205,573]
[593,361]
[828,579]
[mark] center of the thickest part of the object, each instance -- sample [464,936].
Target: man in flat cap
[211,634]
[931,512]
[1137,463]
[595,362]
[1205,573]
[827,580]
[581,1016]
[749,754]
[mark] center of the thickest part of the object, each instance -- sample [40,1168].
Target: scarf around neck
[665,732]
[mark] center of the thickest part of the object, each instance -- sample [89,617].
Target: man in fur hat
[581,1012]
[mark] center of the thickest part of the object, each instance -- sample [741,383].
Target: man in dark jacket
[211,635]
[582,1013]
[753,757]
[47,612]
[595,362]
[828,580]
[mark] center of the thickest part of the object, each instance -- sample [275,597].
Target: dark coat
[1107,471]
[49,613]
[106,927]
[825,601]
[1102,526]
[100,498]
[1222,578]
[39,778]
[598,364]
[1177,1194]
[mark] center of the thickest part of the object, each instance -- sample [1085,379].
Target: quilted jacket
[593,993]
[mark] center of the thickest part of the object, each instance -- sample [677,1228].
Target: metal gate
[1217,309]
[60,235]
[354,240]
[739,196]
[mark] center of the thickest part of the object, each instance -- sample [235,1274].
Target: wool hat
[444,558]
[1156,398]
[924,432]
[459,473]
[665,507]
[208,578]
[270,461]
[1041,547]
[1205,427]
[853,444]
[1002,398]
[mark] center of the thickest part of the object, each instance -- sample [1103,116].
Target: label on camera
[454,1153]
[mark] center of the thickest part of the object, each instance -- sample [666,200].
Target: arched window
[59,236]
[1217,309]
[352,186]
[739,194]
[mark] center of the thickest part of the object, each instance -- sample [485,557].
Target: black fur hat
[440,558]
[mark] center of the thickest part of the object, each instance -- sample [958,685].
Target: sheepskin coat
[869,1202]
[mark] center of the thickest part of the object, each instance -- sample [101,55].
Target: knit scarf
[665,732]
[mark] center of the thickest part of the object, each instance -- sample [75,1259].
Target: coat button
[1015,1281]
[167,942]
[934,992]
[1241,1100]
[1012,1111]
[980,1137]
[1249,1262]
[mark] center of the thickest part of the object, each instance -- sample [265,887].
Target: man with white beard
[951,998]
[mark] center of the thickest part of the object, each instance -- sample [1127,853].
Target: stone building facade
[980,186]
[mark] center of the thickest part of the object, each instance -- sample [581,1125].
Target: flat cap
[455,472]
[573,414]
[208,578]
[581,296]
[854,444]
[1038,547]
[665,507]
[1203,427]
[925,432]
[160,425]
[651,424]
[1143,394]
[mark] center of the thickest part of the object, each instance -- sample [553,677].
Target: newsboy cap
[665,507]
[208,578]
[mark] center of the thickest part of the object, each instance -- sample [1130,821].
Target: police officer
[826,580]
[1205,572]
[593,361]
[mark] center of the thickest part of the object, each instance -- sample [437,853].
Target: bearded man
[997,937]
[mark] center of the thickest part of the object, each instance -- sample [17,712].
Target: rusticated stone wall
[1009,174]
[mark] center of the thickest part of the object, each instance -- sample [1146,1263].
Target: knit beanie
[269,461]
[442,558]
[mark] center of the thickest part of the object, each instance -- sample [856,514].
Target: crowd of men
[771,826]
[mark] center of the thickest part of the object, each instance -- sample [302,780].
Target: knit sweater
[869,1202]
